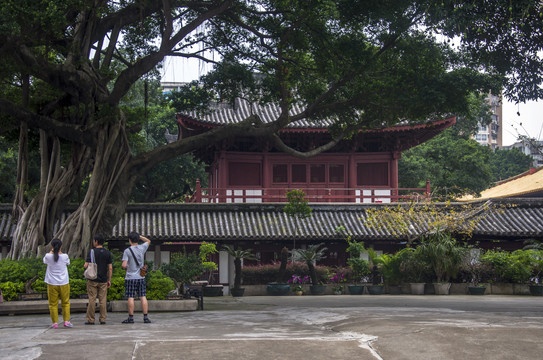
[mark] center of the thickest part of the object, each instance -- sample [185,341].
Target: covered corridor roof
[506,219]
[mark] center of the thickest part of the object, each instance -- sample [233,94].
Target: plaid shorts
[133,286]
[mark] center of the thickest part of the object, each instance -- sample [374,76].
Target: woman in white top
[58,283]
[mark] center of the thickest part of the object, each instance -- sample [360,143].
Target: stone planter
[502,289]
[375,289]
[317,289]
[278,289]
[476,290]
[32,296]
[237,292]
[442,288]
[536,290]
[356,289]
[417,288]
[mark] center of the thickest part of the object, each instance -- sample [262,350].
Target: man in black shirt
[98,287]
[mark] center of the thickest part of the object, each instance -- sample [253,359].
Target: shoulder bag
[144,268]
[92,269]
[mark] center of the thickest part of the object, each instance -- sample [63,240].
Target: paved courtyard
[309,327]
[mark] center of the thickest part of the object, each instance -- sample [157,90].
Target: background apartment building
[491,134]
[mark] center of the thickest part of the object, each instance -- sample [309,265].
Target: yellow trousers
[54,293]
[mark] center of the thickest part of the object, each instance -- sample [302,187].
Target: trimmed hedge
[15,273]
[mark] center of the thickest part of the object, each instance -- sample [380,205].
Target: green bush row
[491,266]
[15,274]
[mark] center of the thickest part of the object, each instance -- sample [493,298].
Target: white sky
[530,121]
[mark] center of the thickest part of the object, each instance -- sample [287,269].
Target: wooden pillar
[266,176]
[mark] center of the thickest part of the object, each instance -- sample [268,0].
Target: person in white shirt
[58,283]
[133,259]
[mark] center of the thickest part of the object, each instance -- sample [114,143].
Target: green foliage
[414,268]
[158,285]
[116,290]
[10,289]
[310,256]
[359,266]
[206,250]
[184,268]
[167,181]
[77,287]
[238,255]
[506,163]
[442,254]
[8,170]
[39,286]
[506,266]
[297,205]
[21,270]
[190,97]
[454,166]
[76,268]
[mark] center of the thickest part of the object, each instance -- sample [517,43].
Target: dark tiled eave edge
[508,219]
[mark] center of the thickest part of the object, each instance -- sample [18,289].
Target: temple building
[361,169]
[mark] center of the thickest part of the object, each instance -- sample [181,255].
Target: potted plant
[391,270]
[536,287]
[414,270]
[183,269]
[476,269]
[376,262]
[238,255]
[337,280]
[206,250]
[310,256]
[297,281]
[280,287]
[444,257]
[360,267]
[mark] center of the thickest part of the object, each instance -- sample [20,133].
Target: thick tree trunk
[104,199]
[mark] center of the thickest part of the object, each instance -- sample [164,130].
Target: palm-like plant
[443,255]
[238,255]
[310,256]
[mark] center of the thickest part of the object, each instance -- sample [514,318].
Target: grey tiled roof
[512,219]
[224,114]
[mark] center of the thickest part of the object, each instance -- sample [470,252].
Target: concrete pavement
[312,327]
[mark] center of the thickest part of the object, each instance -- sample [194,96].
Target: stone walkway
[312,327]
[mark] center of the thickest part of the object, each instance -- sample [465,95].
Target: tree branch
[146,64]
[18,115]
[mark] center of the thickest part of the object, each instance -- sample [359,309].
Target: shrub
[21,270]
[184,268]
[10,289]
[116,290]
[158,285]
[77,287]
[512,267]
[76,269]
[39,286]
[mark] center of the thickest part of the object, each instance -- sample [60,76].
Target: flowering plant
[338,279]
[298,280]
